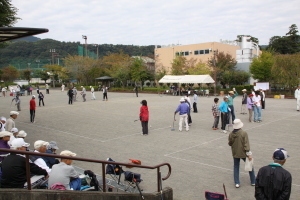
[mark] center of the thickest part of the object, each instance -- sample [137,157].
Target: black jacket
[14,171]
[273,183]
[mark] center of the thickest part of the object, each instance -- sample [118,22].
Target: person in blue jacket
[183,110]
[224,113]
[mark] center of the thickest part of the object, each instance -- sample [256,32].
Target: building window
[206,51]
[182,53]
[201,51]
[186,53]
[196,52]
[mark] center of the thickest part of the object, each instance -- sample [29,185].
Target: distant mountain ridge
[28,39]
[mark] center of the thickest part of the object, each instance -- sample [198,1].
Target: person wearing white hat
[40,146]
[32,108]
[74,94]
[263,98]
[14,167]
[240,147]
[4,90]
[14,132]
[21,134]
[62,87]
[83,93]
[244,102]
[2,123]
[93,93]
[273,181]
[10,122]
[64,171]
[183,110]
[18,102]
[4,138]
[51,149]
[297,97]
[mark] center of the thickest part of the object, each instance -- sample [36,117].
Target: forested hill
[23,53]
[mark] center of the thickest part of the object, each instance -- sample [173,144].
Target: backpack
[57,186]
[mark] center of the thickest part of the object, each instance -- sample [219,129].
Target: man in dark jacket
[70,94]
[272,181]
[14,167]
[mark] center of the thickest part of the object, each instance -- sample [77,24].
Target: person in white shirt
[4,91]
[257,107]
[40,146]
[297,96]
[83,93]
[2,123]
[62,87]
[14,132]
[93,93]
[195,98]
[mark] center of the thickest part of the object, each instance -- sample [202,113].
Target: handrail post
[28,172]
[103,177]
[158,180]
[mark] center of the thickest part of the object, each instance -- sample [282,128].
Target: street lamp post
[52,51]
[96,45]
[85,38]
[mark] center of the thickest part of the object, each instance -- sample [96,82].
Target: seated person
[21,134]
[14,167]
[41,147]
[50,161]
[4,139]
[14,132]
[64,173]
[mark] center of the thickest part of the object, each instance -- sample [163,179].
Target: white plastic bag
[248,164]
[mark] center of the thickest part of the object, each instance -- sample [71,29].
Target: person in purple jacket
[183,110]
[250,106]
[4,138]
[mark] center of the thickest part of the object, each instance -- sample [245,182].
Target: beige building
[202,52]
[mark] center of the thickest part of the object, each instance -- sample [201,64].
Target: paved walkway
[201,158]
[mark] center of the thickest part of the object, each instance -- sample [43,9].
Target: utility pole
[85,38]
[215,72]
[96,45]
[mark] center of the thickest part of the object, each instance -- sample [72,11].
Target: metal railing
[103,162]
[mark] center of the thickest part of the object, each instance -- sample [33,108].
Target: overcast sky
[162,22]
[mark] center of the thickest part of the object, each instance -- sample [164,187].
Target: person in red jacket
[144,117]
[32,108]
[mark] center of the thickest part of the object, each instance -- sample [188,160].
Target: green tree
[139,71]
[27,74]
[179,66]
[261,67]
[7,14]
[10,73]
[199,69]
[253,39]
[44,76]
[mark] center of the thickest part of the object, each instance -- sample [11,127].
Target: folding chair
[114,171]
[133,180]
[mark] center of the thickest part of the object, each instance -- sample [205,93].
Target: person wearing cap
[2,123]
[183,110]
[263,98]
[51,149]
[47,89]
[32,107]
[40,146]
[240,147]
[4,139]
[273,181]
[257,107]
[64,172]
[14,167]
[231,96]
[21,134]
[14,132]
[10,122]
[144,117]
[195,98]
[70,94]
[224,113]
[188,102]
[74,94]
[41,98]
[216,113]
[104,89]
[93,93]
[18,102]
[297,97]
[244,102]
[250,105]
[4,91]
[83,93]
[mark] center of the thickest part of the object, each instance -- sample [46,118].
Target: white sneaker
[224,131]
[237,185]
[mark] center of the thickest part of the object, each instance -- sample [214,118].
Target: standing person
[297,97]
[104,93]
[195,98]
[4,91]
[38,89]
[252,92]
[240,147]
[93,93]
[144,117]
[136,91]
[224,113]
[273,181]
[62,87]
[18,102]
[188,101]
[30,90]
[263,98]
[244,102]
[231,114]
[4,139]
[250,105]
[47,89]
[32,108]
[83,93]
[2,123]
[183,110]
[10,122]
[41,99]
[257,107]
[18,90]
[74,94]
[216,113]
[70,94]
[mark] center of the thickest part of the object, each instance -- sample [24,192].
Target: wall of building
[164,56]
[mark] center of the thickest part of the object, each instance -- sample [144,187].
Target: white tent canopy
[187,79]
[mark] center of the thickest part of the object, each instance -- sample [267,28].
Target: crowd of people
[13,166]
